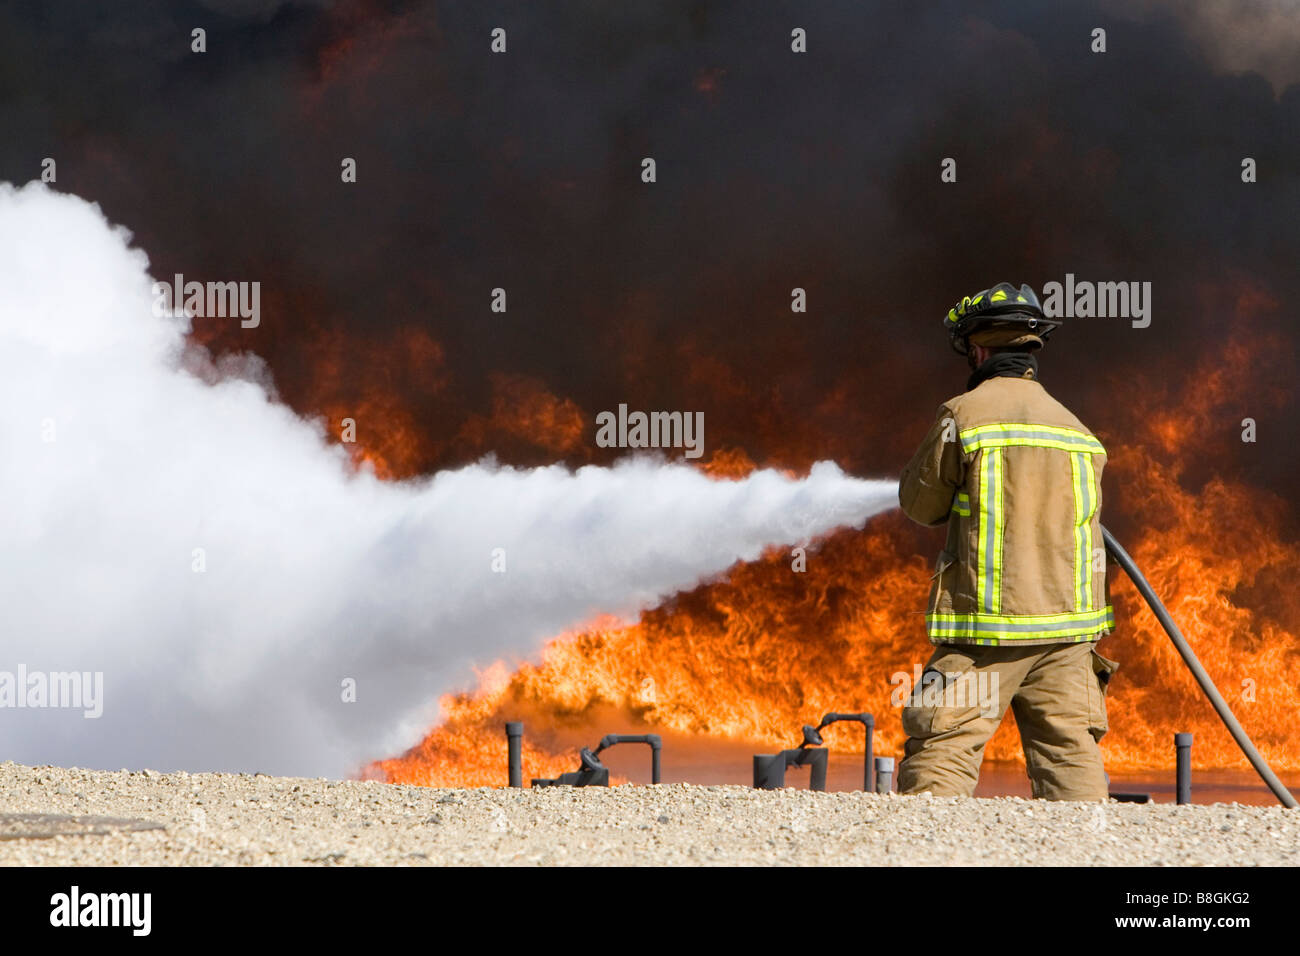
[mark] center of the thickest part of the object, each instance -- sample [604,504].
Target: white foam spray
[117,462]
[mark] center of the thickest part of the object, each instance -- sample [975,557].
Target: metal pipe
[1189,658]
[817,759]
[870,723]
[884,774]
[817,773]
[654,740]
[1183,768]
[769,771]
[514,742]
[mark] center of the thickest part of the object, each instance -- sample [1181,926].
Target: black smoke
[775,170]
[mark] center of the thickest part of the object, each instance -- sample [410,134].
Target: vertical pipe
[884,774]
[870,721]
[817,769]
[769,771]
[1184,767]
[514,740]
[655,749]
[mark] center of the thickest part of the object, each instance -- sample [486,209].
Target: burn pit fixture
[591,772]
[1183,768]
[884,774]
[769,769]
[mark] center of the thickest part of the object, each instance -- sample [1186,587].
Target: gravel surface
[214,818]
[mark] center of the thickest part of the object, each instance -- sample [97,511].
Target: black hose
[1220,705]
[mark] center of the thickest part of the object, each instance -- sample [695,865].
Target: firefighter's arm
[934,474]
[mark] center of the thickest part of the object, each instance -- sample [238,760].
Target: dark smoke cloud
[775,170]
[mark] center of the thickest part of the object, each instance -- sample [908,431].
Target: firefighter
[1019,596]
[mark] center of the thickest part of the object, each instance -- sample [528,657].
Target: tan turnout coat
[1017,478]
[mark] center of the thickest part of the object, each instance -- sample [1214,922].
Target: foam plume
[123,449]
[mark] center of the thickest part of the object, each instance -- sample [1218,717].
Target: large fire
[765,649]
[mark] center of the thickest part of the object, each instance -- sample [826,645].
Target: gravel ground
[215,819]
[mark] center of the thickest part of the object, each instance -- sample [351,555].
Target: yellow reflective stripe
[975,445]
[998,530]
[989,548]
[1076,480]
[983,576]
[961,504]
[1023,433]
[995,641]
[1019,627]
[1089,545]
[1035,620]
[1025,426]
[1085,505]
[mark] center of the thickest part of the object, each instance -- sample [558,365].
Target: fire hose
[1189,658]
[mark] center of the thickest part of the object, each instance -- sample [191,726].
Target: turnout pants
[1058,694]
